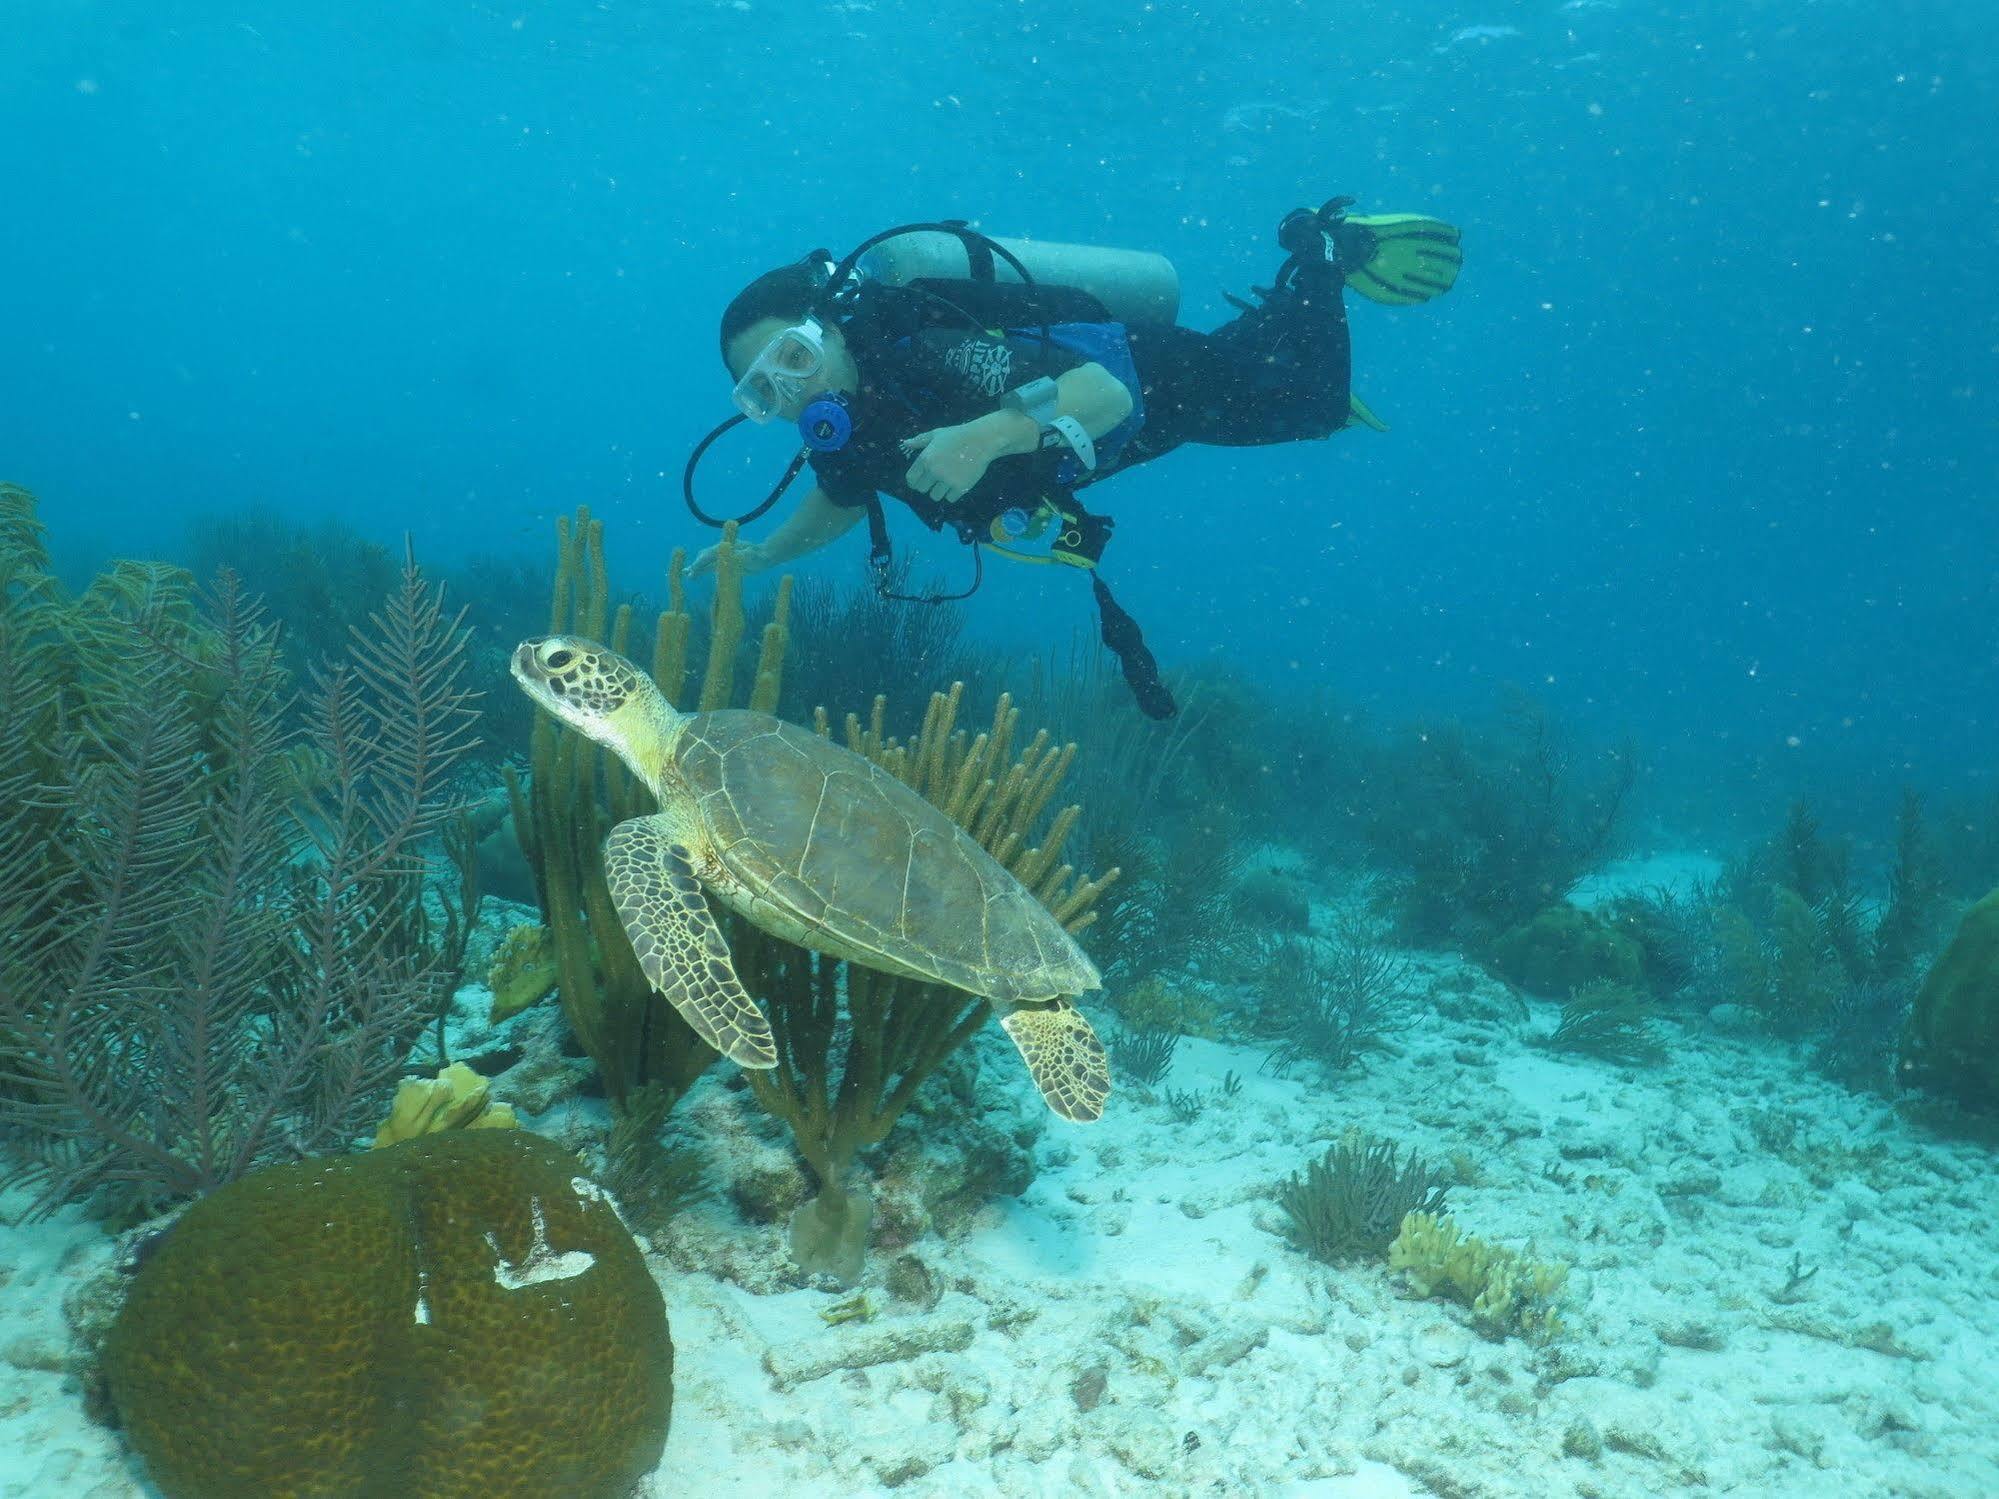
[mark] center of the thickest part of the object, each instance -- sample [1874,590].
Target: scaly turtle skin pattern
[818,846]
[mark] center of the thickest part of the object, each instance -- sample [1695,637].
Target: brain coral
[459,1315]
[1951,1042]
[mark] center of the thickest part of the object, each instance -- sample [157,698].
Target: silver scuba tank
[1136,285]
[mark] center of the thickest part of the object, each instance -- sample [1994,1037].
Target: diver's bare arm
[1089,393]
[815,522]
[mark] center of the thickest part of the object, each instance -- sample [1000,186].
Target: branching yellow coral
[455,1099]
[578,790]
[1507,1292]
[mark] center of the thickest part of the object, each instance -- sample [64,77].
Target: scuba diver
[988,384]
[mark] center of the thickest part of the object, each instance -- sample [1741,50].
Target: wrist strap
[1036,399]
[1071,431]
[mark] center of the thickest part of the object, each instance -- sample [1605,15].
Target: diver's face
[835,370]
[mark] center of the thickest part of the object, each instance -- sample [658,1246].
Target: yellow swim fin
[1406,258]
[1358,413]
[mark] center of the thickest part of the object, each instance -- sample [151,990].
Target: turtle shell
[831,851]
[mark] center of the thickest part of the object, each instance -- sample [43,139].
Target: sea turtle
[819,846]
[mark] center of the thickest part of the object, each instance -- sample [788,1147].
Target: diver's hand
[749,559]
[950,460]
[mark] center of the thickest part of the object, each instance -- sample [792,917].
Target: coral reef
[1563,948]
[1609,1020]
[1811,967]
[846,1071]
[1143,1053]
[1158,1003]
[842,1088]
[1489,827]
[652,1181]
[503,869]
[1911,925]
[459,1314]
[1179,849]
[1950,1045]
[1780,961]
[1351,1204]
[321,581]
[1507,1293]
[1788,934]
[1674,931]
[214,946]
[1861,1034]
[849,644]
[1272,900]
[1326,1002]
[1174,910]
[973,1146]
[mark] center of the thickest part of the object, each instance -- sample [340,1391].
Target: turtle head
[600,694]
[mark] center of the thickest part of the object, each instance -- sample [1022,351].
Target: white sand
[1233,1365]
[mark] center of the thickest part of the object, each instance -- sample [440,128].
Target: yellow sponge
[1507,1292]
[457,1098]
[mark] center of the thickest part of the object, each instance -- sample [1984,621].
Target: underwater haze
[1703,440]
[1526,1027]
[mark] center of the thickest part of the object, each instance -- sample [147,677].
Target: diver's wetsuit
[1278,373]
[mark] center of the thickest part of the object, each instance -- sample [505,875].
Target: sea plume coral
[1350,1204]
[213,951]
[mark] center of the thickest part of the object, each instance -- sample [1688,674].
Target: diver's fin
[1398,259]
[1358,412]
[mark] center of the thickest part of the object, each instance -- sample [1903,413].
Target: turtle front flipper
[1063,1056]
[679,947]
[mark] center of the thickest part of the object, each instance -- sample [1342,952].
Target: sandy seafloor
[1152,1251]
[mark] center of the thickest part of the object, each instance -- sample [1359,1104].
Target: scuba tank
[1135,286]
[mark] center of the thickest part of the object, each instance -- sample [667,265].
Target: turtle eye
[558,659]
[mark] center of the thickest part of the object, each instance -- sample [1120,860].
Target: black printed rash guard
[918,374]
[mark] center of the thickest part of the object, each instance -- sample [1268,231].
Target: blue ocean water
[1700,448]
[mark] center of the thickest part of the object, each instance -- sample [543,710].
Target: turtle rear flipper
[679,946]
[1063,1056]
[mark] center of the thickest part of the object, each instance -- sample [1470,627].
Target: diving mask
[777,376]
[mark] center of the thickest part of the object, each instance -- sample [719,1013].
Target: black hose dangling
[1141,671]
[756,513]
[881,564]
